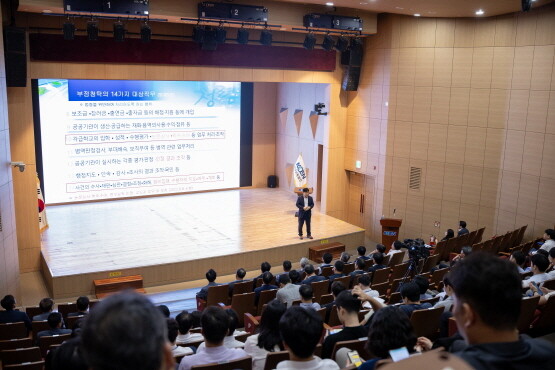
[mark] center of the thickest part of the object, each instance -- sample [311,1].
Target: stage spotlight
[328,43]
[242,36]
[198,34]
[342,44]
[266,37]
[146,32]
[69,30]
[119,31]
[309,41]
[221,35]
[92,30]
[210,39]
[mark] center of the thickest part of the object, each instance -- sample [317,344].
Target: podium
[390,231]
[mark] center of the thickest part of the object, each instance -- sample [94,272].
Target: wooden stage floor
[177,238]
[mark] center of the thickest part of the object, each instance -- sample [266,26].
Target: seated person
[185,323]
[55,324]
[307,294]
[338,268]
[211,277]
[239,278]
[360,268]
[264,267]
[229,340]
[551,268]
[295,277]
[303,262]
[519,259]
[389,329]
[446,298]
[549,237]
[462,228]
[215,327]
[378,260]
[487,298]
[380,248]
[46,305]
[66,356]
[361,250]
[450,233]
[82,307]
[267,278]
[410,292]
[347,311]
[423,285]
[164,310]
[539,264]
[465,252]
[336,288]
[173,329]
[364,284]
[327,258]
[344,257]
[268,339]
[288,292]
[301,330]
[311,276]
[126,332]
[286,269]
[11,314]
[395,248]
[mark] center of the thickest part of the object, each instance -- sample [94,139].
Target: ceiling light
[69,30]
[328,42]
[309,41]
[146,32]
[119,31]
[242,36]
[266,37]
[329,4]
[92,30]
[479,12]
[417,14]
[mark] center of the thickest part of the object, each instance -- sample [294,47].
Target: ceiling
[430,8]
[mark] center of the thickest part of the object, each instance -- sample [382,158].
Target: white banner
[299,173]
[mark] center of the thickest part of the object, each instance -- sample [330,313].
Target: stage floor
[127,236]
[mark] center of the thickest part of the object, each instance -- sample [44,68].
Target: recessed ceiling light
[329,4]
[479,12]
[417,14]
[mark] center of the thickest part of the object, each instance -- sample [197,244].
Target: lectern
[390,230]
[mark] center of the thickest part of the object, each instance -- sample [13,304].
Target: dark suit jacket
[15,316]
[51,332]
[462,231]
[203,293]
[300,206]
[313,279]
[262,288]
[376,267]
[334,276]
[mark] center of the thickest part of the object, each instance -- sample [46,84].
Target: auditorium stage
[177,238]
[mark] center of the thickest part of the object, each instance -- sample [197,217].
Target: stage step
[105,287]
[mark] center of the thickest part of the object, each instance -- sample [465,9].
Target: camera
[417,248]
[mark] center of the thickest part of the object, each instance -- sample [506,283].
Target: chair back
[431,360]
[431,301]
[479,235]
[527,310]
[296,302]
[354,345]
[395,285]
[243,287]
[39,326]
[20,355]
[354,281]
[33,311]
[437,276]
[461,242]
[319,288]
[13,330]
[243,303]
[549,284]
[349,267]
[46,342]
[346,280]
[386,259]
[380,276]
[426,322]
[217,294]
[472,237]
[449,247]
[251,323]
[259,282]
[37,365]
[242,337]
[546,321]
[333,320]
[65,308]
[274,358]
[244,363]
[265,297]
[431,261]
[440,249]
[395,298]
[16,343]
[325,299]
[396,259]
[71,320]
[322,312]
[325,271]
[520,235]
[381,288]
[398,271]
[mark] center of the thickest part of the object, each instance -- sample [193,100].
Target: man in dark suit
[11,314]
[305,203]
[267,278]
[211,277]
[462,228]
[55,324]
[311,276]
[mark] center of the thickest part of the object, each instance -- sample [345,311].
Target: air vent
[415,178]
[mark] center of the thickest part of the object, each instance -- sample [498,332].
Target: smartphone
[537,287]
[399,354]
[354,357]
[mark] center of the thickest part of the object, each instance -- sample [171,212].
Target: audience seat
[242,337]
[545,323]
[33,311]
[431,261]
[251,323]
[527,310]
[432,360]
[265,297]
[386,260]
[13,330]
[274,358]
[346,280]
[244,363]
[395,285]
[431,301]
[380,276]
[320,288]
[437,276]
[241,304]
[396,259]
[326,271]
[354,281]
[394,298]
[216,294]
[354,345]
[243,287]
[46,342]
[325,299]
[37,365]
[426,322]
[16,343]
[20,355]
[479,235]
[259,282]
[333,319]
[192,344]
[39,326]
[381,288]
[70,321]
[549,284]
[349,267]
[398,271]
[65,308]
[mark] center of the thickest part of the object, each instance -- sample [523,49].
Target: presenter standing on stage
[305,203]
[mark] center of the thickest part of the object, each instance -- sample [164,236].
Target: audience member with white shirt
[173,328]
[539,265]
[268,338]
[395,248]
[549,237]
[300,331]
[185,322]
[229,340]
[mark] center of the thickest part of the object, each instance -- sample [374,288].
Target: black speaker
[15,56]
[272,181]
[352,60]
[351,76]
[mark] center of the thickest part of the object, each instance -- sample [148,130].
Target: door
[361,201]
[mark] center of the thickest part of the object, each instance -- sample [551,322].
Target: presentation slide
[105,139]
